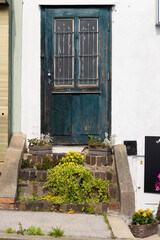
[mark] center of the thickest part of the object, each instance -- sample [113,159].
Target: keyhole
[2,113]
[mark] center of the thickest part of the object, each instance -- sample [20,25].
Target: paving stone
[22,174]
[104,207]
[34,205]
[109,160]
[63,207]
[40,205]
[114,206]
[34,159]
[104,161]
[97,174]
[103,176]
[109,176]
[17,205]
[39,176]
[32,175]
[35,188]
[99,161]
[28,205]
[93,160]
[26,174]
[88,159]
[23,206]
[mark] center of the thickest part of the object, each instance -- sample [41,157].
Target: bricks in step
[102,166]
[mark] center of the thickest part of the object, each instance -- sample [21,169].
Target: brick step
[99,160]
[33,175]
[114,192]
[28,188]
[114,206]
[35,159]
[43,205]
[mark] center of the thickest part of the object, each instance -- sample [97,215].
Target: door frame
[46,98]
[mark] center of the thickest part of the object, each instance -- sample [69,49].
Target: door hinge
[42,54]
[108,27]
[108,76]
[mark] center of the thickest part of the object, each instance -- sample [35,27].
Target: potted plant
[42,144]
[157,188]
[143,224]
[97,145]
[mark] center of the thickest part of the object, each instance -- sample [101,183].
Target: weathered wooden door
[75,58]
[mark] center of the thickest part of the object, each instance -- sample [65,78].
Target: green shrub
[76,184]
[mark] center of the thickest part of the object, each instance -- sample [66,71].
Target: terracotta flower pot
[142,231]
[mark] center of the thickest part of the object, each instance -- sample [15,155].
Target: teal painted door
[75,63]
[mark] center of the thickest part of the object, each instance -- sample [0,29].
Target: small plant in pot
[95,141]
[143,224]
[44,143]
[96,144]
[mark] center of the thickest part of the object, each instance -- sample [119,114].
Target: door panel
[89,114]
[75,63]
[61,115]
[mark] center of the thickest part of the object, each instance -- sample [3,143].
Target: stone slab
[119,228]
[9,176]
[127,195]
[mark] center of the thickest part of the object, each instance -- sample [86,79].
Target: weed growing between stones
[90,210]
[10,230]
[21,230]
[56,232]
[109,226]
[34,231]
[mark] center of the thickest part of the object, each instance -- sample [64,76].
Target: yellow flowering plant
[72,158]
[143,217]
[75,184]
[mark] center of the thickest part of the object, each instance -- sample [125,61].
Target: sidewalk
[75,226]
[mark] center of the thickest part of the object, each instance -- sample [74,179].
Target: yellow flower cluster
[72,158]
[144,213]
[143,217]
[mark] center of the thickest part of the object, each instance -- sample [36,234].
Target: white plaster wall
[135,71]
[142,200]
[30,108]
[135,68]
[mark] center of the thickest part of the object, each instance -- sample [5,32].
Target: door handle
[49,77]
